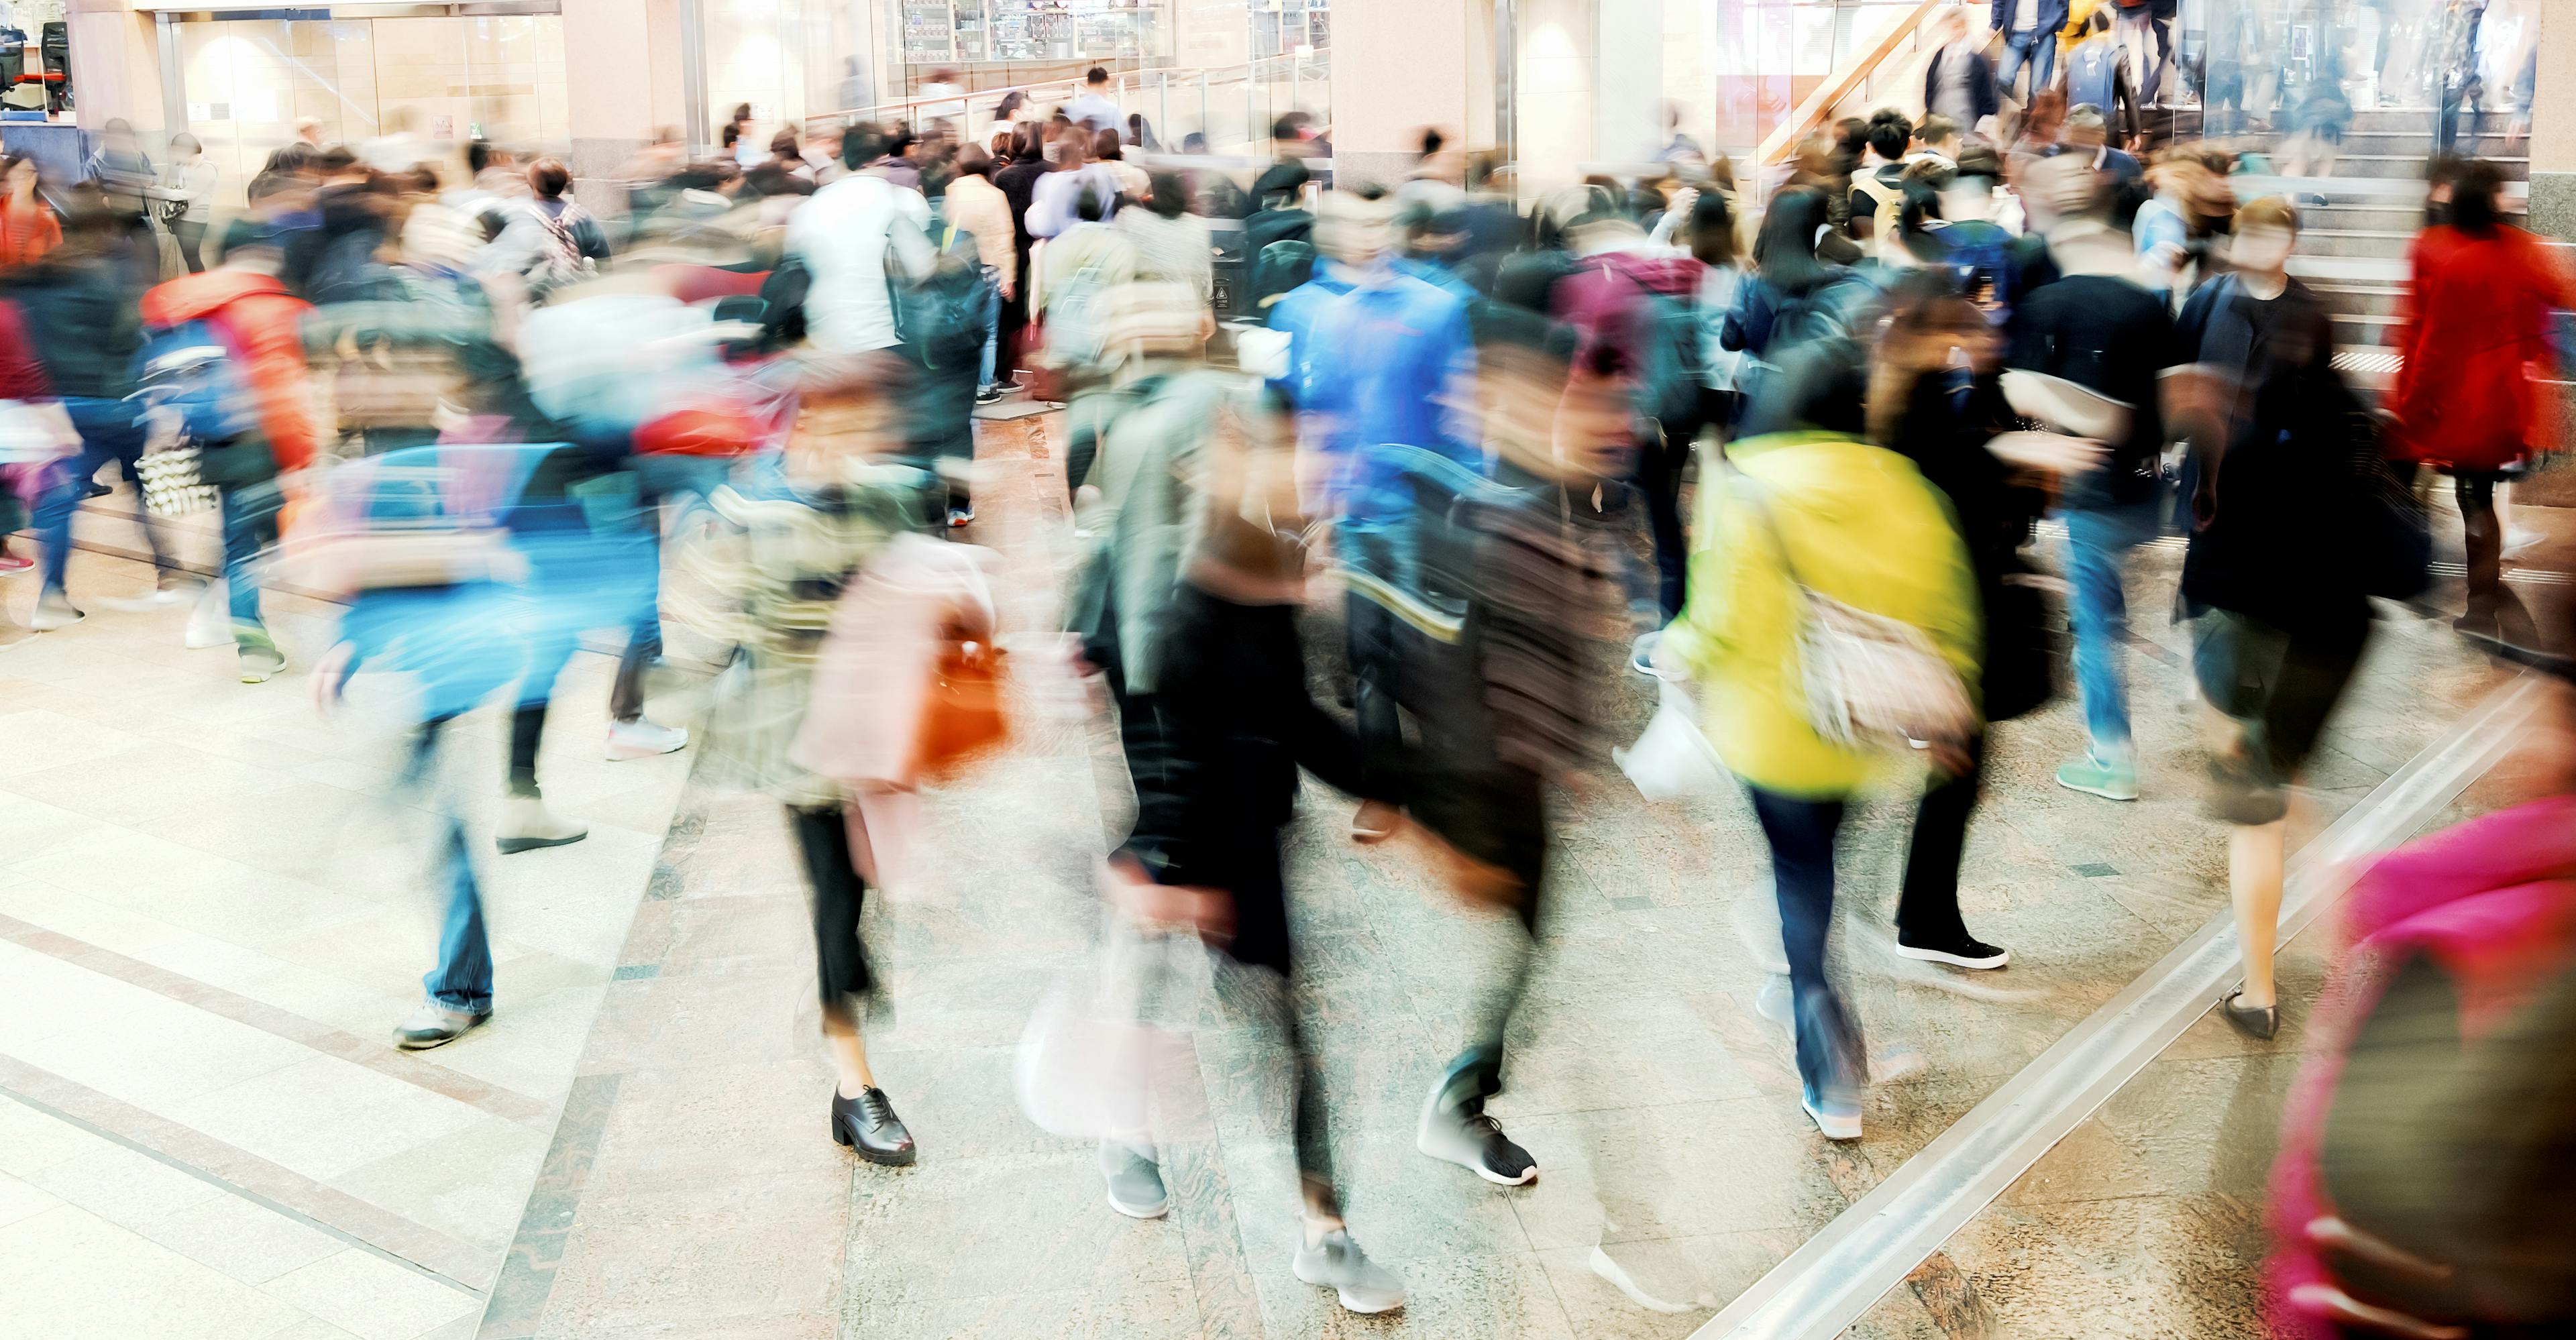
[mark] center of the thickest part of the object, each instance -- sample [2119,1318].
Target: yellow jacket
[2078,14]
[1865,528]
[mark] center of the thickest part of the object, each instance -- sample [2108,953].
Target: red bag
[961,719]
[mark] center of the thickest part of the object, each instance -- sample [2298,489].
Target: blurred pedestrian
[28,228]
[2472,325]
[1810,514]
[190,189]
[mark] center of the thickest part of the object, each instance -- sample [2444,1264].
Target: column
[2553,127]
[1628,53]
[1398,66]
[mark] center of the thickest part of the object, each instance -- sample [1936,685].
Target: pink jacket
[2493,901]
[872,678]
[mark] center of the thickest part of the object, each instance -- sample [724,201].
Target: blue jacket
[1383,363]
[2052,15]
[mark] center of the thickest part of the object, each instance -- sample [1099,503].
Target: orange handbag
[961,718]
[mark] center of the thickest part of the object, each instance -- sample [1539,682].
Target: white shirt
[1097,112]
[2025,15]
[845,234]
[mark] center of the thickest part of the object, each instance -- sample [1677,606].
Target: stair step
[2360,243]
[2389,165]
[2345,301]
[2397,120]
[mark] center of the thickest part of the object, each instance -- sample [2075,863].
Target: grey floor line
[1840,1273]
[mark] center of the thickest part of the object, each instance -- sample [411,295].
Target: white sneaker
[210,624]
[1772,1003]
[1337,1263]
[526,825]
[54,612]
[643,739]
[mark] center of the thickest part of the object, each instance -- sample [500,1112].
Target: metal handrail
[1819,104]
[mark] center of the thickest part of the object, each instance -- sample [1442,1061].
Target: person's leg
[2019,48]
[2098,541]
[54,508]
[2254,869]
[2484,537]
[2044,62]
[1831,1064]
[526,824]
[992,330]
[459,988]
[862,1117]
[2131,33]
[191,238]
[1928,924]
[123,432]
[1659,478]
[2153,89]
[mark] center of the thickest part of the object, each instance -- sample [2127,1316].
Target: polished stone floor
[208,929]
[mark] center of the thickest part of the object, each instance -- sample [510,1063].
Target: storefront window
[425,84]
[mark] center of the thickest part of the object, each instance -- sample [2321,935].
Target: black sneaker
[1464,1135]
[1959,951]
[990,395]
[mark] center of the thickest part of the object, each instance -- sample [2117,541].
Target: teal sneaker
[2093,777]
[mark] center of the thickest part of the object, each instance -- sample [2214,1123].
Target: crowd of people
[1795,447]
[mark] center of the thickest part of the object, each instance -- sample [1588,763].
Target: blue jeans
[1832,1060]
[2035,49]
[992,327]
[245,510]
[110,430]
[463,978]
[2097,542]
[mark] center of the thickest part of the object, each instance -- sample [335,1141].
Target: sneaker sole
[1141,1212]
[1478,1168]
[513,846]
[630,755]
[1954,960]
[1827,1126]
[1342,1295]
[2104,792]
[410,1046]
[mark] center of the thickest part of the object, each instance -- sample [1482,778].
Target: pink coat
[2493,901]
[871,680]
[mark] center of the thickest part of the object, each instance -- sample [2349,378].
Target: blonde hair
[2272,211]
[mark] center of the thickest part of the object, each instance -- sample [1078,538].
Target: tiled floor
[209,923]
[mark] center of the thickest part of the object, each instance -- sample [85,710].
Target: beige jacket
[977,206]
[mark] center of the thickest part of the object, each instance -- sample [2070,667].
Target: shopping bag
[173,482]
[962,715]
[1089,1062]
[1672,760]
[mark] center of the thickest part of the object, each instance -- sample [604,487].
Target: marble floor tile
[75,1276]
[246,1241]
[370,1297]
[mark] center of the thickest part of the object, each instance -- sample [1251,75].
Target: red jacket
[22,374]
[266,323]
[2473,326]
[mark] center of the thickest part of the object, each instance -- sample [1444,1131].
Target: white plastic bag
[1672,760]
[1090,1062]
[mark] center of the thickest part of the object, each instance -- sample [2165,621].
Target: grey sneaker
[1337,1263]
[435,1025]
[2111,780]
[260,660]
[1135,1182]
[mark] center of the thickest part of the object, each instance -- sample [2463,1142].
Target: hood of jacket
[198,296]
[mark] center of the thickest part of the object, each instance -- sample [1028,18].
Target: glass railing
[1219,110]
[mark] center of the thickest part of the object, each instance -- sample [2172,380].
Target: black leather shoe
[2252,1021]
[868,1124]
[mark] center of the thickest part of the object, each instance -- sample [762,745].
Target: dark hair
[1937,127]
[741,112]
[1981,160]
[335,160]
[1105,146]
[265,185]
[1712,229]
[478,155]
[1851,135]
[2473,197]
[972,161]
[549,178]
[1889,133]
[1921,204]
[293,157]
[1171,197]
[1785,250]
[785,143]
[862,143]
[1088,206]
[1432,139]
[185,143]
[1028,142]
[1095,75]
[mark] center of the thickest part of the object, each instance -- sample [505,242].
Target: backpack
[192,375]
[1980,255]
[940,315]
[1294,266]
[1890,202]
[559,258]
[2092,76]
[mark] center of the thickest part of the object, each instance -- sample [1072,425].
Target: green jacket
[1863,527]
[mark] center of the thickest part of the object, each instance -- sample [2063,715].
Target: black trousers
[1929,907]
[823,837]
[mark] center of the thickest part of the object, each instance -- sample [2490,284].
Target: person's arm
[1050,204]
